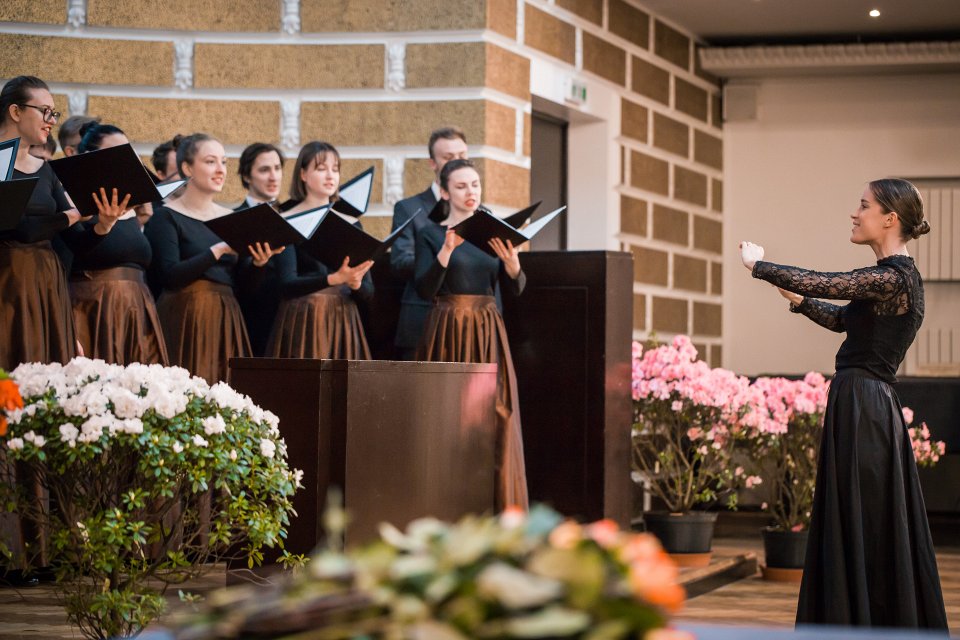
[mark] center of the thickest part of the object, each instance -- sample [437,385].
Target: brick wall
[671,140]
[376,76]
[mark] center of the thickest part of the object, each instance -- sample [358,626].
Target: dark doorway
[548,178]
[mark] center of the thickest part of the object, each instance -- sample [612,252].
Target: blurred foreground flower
[513,576]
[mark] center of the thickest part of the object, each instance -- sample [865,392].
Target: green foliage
[153,475]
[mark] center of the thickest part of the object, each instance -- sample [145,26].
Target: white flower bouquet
[151,473]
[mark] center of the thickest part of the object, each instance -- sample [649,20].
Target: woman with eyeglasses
[115,314]
[35,317]
[36,324]
[198,309]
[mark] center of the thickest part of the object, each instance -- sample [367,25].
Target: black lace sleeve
[870,283]
[828,316]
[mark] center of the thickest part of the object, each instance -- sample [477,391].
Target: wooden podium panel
[402,439]
[570,336]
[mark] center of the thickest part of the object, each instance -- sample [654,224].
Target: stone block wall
[374,77]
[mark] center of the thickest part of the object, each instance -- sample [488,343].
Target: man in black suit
[446,144]
[261,172]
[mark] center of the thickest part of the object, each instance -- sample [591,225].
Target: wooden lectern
[570,336]
[402,439]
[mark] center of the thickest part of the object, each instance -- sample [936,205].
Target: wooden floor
[756,602]
[35,613]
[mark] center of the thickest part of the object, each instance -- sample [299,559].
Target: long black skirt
[870,560]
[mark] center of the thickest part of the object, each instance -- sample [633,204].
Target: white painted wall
[593,154]
[793,175]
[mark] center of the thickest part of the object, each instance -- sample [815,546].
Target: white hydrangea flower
[34,438]
[298,478]
[69,433]
[273,422]
[132,426]
[15,443]
[267,448]
[199,441]
[126,403]
[165,403]
[177,447]
[226,398]
[213,425]
[14,416]
[93,428]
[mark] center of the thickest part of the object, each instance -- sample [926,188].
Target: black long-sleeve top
[299,274]
[124,246]
[44,216]
[470,271]
[181,251]
[885,311]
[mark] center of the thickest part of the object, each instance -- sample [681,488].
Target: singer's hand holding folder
[112,168]
[336,238]
[14,194]
[483,226]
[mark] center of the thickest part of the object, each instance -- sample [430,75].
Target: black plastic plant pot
[690,532]
[784,549]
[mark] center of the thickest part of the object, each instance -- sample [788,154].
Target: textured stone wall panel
[227,66]
[186,15]
[87,60]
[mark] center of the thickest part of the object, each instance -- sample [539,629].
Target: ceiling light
[874,13]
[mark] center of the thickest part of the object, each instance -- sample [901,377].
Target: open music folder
[483,226]
[115,167]
[14,194]
[336,239]
[263,223]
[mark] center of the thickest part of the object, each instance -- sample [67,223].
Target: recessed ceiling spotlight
[875,13]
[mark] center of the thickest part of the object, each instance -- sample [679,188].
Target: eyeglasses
[49,115]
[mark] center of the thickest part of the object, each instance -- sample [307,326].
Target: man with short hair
[68,135]
[261,172]
[446,144]
[44,151]
[164,159]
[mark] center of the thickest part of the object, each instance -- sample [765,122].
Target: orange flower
[655,581]
[605,532]
[9,400]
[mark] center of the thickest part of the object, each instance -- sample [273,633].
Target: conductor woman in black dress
[870,559]
[465,324]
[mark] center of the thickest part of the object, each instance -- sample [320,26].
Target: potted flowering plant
[512,576]
[926,452]
[785,432]
[687,424]
[152,474]
[784,445]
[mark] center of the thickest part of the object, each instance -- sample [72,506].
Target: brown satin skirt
[324,324]
[116,317]
[463,328]
[203,328]
[35,320]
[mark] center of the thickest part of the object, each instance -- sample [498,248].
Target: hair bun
[920,229]
[87,126]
